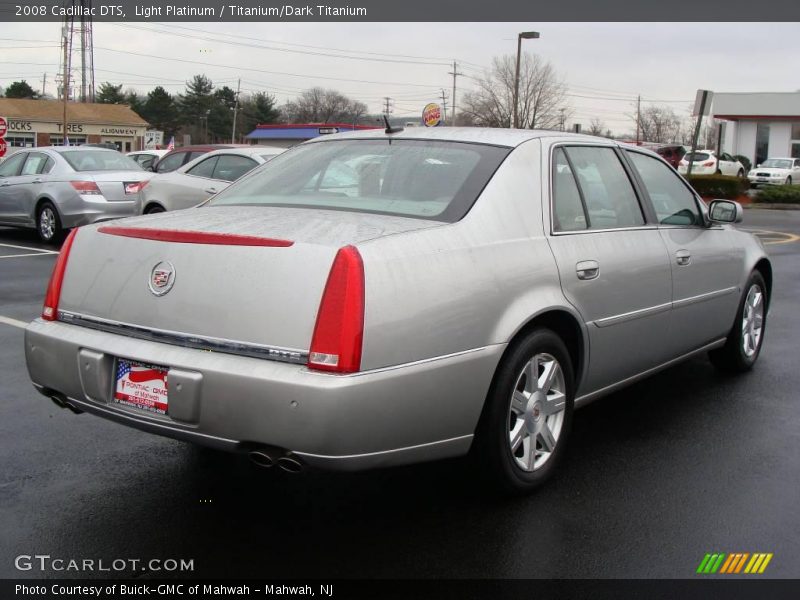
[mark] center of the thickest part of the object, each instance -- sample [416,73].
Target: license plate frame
[141,386]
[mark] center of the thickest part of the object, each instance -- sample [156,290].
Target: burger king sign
[432,115]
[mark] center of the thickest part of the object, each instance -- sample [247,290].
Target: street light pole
[527,35]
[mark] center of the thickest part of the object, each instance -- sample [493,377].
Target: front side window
[673,202]
[11,166]
[600,182]
[414,178]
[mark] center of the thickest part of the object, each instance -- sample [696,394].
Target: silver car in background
[201,178]
[57,188]
[382,298]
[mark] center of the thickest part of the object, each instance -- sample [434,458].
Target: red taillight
[85,187]
[134,187]
[709,163]
[339,332]
[50,309]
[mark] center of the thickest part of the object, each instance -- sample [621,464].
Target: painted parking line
[13,322]
[774,237]
[30,248]
[21,255]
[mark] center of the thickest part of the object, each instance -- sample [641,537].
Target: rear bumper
[410,413]
[86,212]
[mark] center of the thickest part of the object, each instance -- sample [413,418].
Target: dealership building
[759,125]
[33,123]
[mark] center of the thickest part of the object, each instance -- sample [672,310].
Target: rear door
[705,262]
[612,262]
[31,179]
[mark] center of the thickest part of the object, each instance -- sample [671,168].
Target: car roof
[63,149]
[206,147]
[245,151]
[159,151]
[479,135]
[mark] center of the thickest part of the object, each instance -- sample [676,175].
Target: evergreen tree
[161,111]
[21,89]
[109,94]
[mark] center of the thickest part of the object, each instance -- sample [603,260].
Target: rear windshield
[410,178]
[697,156]
[100,160]
[776,163]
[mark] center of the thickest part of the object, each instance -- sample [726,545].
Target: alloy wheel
[47,223]
[752,320]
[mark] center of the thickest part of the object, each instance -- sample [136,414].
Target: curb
[772,206]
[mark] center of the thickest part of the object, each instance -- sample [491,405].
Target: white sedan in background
[776,171]
[146,158]
[706,162]
[201,178]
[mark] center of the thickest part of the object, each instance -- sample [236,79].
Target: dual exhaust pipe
[62,402]
[269,458]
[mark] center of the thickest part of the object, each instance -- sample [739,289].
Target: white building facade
[759,125]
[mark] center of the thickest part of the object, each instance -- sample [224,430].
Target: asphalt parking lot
[680,465]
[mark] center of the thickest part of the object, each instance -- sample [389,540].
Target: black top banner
[405,11]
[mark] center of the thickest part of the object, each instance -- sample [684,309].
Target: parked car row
[57,188]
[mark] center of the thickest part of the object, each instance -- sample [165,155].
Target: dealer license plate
[141,385]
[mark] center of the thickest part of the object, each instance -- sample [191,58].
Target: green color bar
[718,563]
[703,563]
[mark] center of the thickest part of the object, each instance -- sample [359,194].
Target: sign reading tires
[3,126]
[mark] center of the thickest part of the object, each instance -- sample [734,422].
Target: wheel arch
[152,203]
[764,267]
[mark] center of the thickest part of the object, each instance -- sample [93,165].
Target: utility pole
[65,83]
[455,74]
[387,105]
[638,117]
[44,83]
[235,109]
[563,118]
[444,104]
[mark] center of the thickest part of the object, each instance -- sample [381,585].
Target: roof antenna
[389,128]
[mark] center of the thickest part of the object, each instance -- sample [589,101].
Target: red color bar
[194,237]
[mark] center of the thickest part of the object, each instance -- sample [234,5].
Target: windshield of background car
[411,178]
[697,156]
[777,164]
[100,160]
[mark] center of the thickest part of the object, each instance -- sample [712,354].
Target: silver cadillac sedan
[57,188]
[382,298]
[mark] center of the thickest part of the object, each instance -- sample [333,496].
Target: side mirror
[725,211]
[758,166]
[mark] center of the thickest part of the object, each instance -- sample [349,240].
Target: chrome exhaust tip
[261,458]
[73,408]
[58,401]
[290,464]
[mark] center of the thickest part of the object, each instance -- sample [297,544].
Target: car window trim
[699,204]
[633,182]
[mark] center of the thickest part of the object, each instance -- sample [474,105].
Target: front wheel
[740,173]
[48,224]
[745,339]
[788,181]
[528,414]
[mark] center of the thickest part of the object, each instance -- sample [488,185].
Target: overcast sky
[609,62]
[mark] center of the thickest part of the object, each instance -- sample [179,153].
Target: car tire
[154,209]
[48,224]
[718,172]
[744,342]
[522,418]
[789,180]
[740,173]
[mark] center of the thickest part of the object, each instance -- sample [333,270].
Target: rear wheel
[528,414]
[743,345]
[48,224]
[788,181]
[740,173]
[153,209]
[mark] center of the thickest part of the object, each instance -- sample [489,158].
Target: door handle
[587,269]
[683,257]
[36,181]
[211,191]
[4,184]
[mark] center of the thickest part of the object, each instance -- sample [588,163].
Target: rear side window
[607,198]
[230,167]
[171,162]
[697,156]
[204,168]
[35,165]
[673,202]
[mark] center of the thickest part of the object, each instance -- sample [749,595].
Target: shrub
[745,161]
[719,186]
[780,194]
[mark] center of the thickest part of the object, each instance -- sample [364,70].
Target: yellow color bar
[765,563]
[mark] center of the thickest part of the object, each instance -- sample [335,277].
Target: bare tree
[542,95]
[318,105]
[659,124]
[596,127]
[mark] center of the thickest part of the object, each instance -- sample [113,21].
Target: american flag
[171,145]
[139,374]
